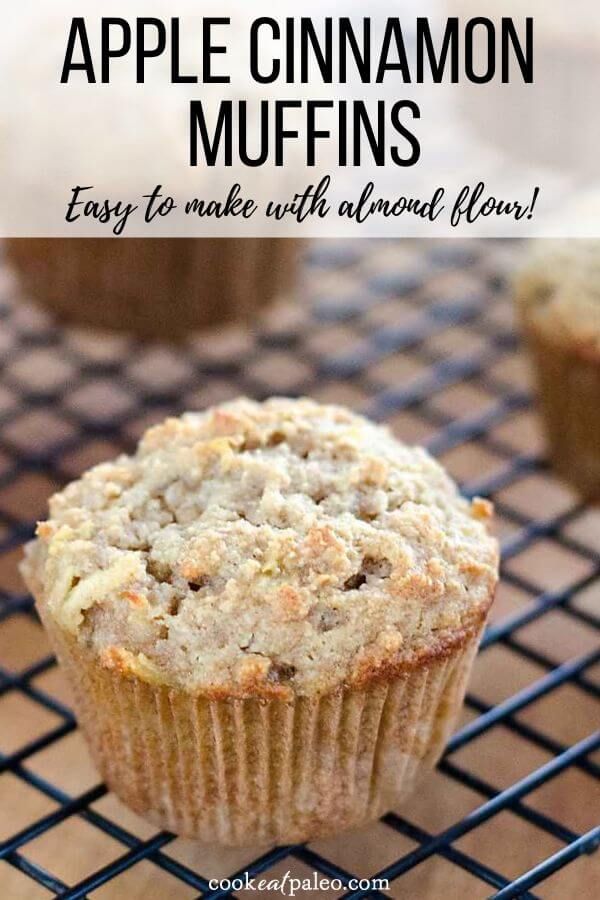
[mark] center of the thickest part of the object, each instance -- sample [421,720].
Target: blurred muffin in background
[158,282]
[157,288]
[558,292]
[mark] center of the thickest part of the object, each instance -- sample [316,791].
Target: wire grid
[366,308]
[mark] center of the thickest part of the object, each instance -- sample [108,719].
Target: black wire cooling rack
[393,329]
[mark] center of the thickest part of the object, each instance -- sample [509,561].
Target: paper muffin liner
[162,287]
[568,383]
[248,771]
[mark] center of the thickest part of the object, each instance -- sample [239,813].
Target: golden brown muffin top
[558,290]
[265,548]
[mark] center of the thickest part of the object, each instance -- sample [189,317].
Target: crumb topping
[558,290]
[264,548]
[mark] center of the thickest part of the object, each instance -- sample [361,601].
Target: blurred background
[423,336]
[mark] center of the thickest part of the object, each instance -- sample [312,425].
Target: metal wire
[356,368]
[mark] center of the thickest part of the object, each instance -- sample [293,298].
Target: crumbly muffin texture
[558,291]
[272,548]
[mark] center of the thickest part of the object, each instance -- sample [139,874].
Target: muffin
[558,293]
[156,288]
[159,279]
[267,615]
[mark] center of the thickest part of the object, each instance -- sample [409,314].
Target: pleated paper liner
[248,771]
[156,288]
[568,383]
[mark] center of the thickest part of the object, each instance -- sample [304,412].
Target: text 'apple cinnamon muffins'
[558,293]
[267,615]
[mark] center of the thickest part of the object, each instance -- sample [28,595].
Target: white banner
[428,119]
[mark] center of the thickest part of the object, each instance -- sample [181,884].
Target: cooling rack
[416,334]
